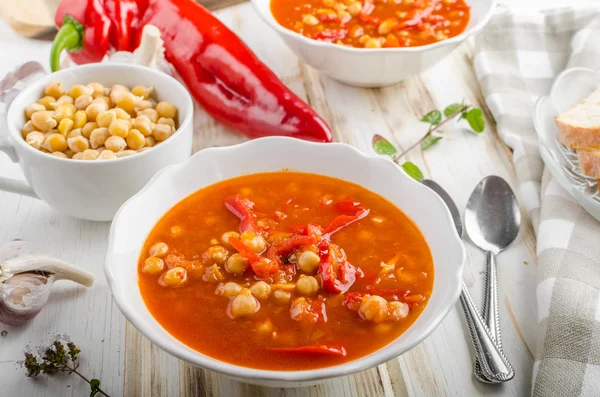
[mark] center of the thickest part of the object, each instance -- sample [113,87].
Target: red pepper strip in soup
[312,349]
[243,209]
[342,221]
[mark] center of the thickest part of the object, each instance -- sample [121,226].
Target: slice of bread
[589,161]
[579,126]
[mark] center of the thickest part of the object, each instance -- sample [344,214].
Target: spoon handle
[489,311]
[494,365]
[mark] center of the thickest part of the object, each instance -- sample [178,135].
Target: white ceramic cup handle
[14,185]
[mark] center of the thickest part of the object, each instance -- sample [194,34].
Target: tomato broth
[285,271]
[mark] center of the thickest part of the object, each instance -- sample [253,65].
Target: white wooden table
[128,364]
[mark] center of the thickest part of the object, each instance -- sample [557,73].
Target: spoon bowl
[492,218]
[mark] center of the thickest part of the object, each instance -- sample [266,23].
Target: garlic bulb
[26,277]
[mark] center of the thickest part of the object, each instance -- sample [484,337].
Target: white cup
[94,190]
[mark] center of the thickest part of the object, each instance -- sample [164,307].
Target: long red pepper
[226,78]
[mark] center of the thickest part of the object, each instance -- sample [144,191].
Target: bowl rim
[377,357]
[15,134]
[469,31]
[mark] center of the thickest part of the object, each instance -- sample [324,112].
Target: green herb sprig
[59,358]
[435,119]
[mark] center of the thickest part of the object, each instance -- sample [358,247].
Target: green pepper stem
[67,38]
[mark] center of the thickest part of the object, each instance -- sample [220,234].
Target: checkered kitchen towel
[517,57]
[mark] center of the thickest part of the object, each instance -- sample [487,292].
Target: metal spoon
[492,221]
[494,364]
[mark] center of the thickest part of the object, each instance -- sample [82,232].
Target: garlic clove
[26,278]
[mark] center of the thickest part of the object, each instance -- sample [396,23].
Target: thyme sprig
[59,358]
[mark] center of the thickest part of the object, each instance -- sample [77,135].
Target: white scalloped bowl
[569,87]
[138,216]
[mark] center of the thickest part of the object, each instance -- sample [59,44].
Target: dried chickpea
[143,104]
[65,126]
[74,133]
[140,90]
[59,154]
[168,121]
[104,119]
[115,143]
[64,111]
[153,265]
[308,261]
[35,139]
[260,290]
[27,128]
[135,140]
[98,137]
[83,101]
[126,101]
[173,277]
[243,304]
[125,153]
[107,155]
[78,90]
[96,88]
[372,43]
[121,114]
[54,89]
[87,129]
[150,141]
[307,285]
[55,143]
[79,119]
[166,109]
[94,109]
[43,120]
[89,154]
[34,107]
[47,102]
[119,128]
[217,254]
[69,153]
[159,250]
[77,156]
[142,124]
[150,113]
[161,132]
[237,264]
[63,100]
[386,26]
[78,144]
[116,90]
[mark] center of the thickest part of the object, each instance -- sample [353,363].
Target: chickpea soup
[285,271]
[373,23]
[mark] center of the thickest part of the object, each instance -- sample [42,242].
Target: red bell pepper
[328,350]
[84,31]
[285,246]
[243,250]
[243,208]
[226,78]
[221,72]
[337,274]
